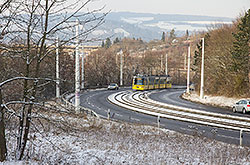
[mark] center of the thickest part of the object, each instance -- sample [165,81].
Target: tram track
[140,102]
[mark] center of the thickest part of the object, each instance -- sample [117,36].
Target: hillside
[150,26]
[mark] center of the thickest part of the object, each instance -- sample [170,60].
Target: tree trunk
[42,51]
[248,58]
[3,148]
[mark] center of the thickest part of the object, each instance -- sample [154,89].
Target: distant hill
[150,26]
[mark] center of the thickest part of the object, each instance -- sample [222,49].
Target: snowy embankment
[77,140]
[120,143]
[218,101]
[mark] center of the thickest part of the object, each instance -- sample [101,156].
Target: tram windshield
[138,82]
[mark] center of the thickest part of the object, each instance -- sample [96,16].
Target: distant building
[87,49]
[70,49]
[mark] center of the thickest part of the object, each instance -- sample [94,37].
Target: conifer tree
[196,67]
[108,43]
[172,35]
[198,53]
[116,40]
[187,35]
[241,52]
[163,37]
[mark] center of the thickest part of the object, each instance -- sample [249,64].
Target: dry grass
[73,140]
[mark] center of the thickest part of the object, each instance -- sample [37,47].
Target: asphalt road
[173,96]
[97,101]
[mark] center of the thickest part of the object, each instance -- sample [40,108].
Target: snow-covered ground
[78,140]
[219,101]
[105,142]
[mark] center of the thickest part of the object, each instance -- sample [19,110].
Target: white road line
[186,129]
[135,119]
[117,114]
[117,98]
[229,137]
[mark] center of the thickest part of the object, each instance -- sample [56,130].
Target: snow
[202,22]
[99,32]
[109,142]
[219,101]
[177,25]
[169,26]
[227,120]
[208,22]
[99,141]
[137,20]
[120,30]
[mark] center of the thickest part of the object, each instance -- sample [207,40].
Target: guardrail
[69,95]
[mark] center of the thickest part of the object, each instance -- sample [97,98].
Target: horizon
[212,8]
[170,14]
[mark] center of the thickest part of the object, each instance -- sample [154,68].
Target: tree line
[227,62]
[138,57]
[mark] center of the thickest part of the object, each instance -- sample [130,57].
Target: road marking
[117,114]
[135,119]
[229,137]
[186,129]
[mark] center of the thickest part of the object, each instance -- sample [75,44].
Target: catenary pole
[166,69]
[202,70]
[121,68]
[161,64]
[57,69]
[188,71]
[185,62]
[82,67]
[77,71]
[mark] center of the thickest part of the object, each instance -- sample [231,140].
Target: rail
[140,102]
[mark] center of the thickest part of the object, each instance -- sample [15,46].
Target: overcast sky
[222,8]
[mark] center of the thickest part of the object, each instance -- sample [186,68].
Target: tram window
[162,81]
[156,81]
[151,81]
[138,82]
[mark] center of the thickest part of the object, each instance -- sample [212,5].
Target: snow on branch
[25,78]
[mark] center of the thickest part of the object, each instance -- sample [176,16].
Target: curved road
[173,96]
[97,101]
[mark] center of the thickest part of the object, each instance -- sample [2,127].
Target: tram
[142,83]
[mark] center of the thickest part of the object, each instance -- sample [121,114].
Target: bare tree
[30,37]
[3,149]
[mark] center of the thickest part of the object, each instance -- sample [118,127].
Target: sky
[218,8]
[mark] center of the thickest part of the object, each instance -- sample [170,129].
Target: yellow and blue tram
[151,82]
